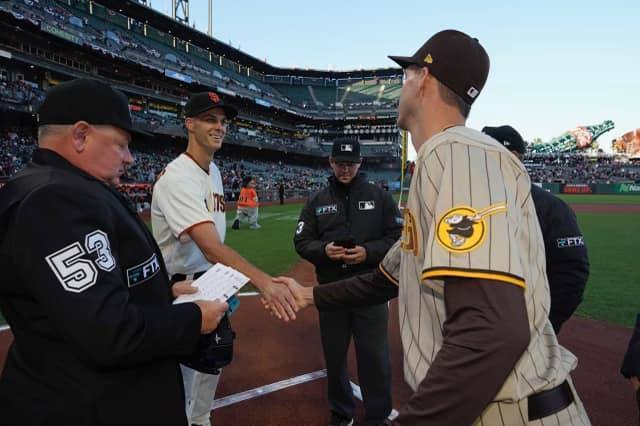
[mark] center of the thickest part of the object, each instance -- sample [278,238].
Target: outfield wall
[595,188]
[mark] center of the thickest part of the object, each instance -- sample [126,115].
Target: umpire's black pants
[368,326]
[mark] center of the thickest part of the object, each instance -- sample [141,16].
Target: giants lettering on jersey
[215,203]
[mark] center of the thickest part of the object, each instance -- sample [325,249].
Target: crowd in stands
[576,168]
[17,146]
[21,93]
[184,63]
[16,149]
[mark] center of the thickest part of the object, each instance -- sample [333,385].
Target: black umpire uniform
[631,363]
[86,293]
[368,216]
[565,250]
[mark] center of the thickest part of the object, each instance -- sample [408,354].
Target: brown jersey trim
[387,275]
[441,273]
[190,227]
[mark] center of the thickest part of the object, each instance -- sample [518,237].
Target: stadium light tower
[180,11]
[210,27]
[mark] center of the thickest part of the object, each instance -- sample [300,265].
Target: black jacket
[566,253]
[87,296]
[631,364]
[358,211]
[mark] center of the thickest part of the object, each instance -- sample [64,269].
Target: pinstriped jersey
[470,214]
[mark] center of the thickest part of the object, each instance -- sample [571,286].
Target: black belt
[181,277]
[551,401]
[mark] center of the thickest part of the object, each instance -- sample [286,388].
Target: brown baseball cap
[457,60]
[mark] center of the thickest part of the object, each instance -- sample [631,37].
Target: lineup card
[220,282]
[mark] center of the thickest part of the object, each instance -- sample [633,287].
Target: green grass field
[613,290]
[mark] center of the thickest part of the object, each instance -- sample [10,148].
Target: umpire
[84,286]
[345,230]
[565,250]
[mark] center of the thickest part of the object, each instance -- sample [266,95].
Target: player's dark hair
[451,98]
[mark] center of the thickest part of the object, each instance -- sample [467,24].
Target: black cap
[347,151]
[457,60]
[87,100]
[204,101]
[507,136]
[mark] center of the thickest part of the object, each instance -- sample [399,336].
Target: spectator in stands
[565,250]
[281,192]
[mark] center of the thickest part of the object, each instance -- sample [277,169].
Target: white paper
[220,282]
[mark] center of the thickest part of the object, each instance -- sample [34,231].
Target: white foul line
[263,390]
[273,387]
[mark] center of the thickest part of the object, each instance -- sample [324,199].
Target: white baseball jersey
[184,196]
[470,214]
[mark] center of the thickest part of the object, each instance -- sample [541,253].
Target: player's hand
[635,382]
[183,287]
[358,254]
[278,298]
[212,313]
[334,252]
[303,295]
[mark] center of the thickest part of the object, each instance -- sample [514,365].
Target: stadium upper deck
[177,56]
[158,62]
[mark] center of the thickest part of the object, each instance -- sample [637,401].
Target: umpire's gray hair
[51,130]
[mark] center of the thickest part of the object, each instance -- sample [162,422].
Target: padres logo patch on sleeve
[410,233]
[463,228]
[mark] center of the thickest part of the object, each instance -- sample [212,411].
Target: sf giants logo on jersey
[410,233]
[215,203]
[463,229]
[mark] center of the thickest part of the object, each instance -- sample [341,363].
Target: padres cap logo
[463,229]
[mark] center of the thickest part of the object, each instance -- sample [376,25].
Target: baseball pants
[247,214]
[199,392]
[368,326]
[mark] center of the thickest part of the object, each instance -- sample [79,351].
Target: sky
[555,65]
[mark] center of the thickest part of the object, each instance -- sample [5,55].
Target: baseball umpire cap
[457,60]
[507,136]
[204,101]
[346,151]
[89,100]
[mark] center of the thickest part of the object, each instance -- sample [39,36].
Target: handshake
[282,296]
[285,296]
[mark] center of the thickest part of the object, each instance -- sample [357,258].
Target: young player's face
[106,153]
[344,171]
[209,128]
[407,105]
